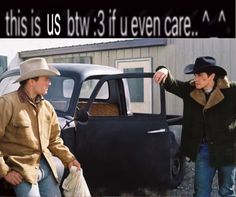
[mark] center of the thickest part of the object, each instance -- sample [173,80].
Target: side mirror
[82,117]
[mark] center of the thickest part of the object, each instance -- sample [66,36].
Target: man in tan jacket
[30,134]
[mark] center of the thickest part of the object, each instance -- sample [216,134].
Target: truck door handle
[156,131]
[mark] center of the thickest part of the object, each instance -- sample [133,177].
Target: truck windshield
[59,93]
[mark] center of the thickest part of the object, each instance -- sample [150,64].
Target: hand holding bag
[75,185]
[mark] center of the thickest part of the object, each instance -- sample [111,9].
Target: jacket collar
[215,97]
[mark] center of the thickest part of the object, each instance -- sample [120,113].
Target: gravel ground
[183,190]
[186,187]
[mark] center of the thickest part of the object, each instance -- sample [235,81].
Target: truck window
[88,87]
[103,104]
[68,85]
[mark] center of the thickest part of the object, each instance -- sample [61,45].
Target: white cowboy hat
[36,67]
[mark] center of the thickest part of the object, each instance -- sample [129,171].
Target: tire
[177,164]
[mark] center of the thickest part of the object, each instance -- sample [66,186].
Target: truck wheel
[176,170]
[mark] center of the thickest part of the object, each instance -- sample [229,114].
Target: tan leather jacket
[28,131]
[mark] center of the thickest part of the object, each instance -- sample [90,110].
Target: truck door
[119,147]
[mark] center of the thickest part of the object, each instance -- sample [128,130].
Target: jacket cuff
[4,171]
[68,160]
[160,67]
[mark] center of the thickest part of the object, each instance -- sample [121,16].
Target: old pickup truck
[117,147]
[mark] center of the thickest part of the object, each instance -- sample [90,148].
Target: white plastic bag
[75,185]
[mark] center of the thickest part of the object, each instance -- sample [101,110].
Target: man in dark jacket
[209,126]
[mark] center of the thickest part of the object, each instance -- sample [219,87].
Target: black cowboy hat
[204,64]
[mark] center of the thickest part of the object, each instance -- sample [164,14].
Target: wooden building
[144,55]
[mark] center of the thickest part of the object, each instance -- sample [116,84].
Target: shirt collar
[25,98]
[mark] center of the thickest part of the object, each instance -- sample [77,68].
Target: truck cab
[119,148]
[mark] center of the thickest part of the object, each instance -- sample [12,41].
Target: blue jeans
[47,185]
[204,175]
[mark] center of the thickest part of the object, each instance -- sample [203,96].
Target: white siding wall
[175,55]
